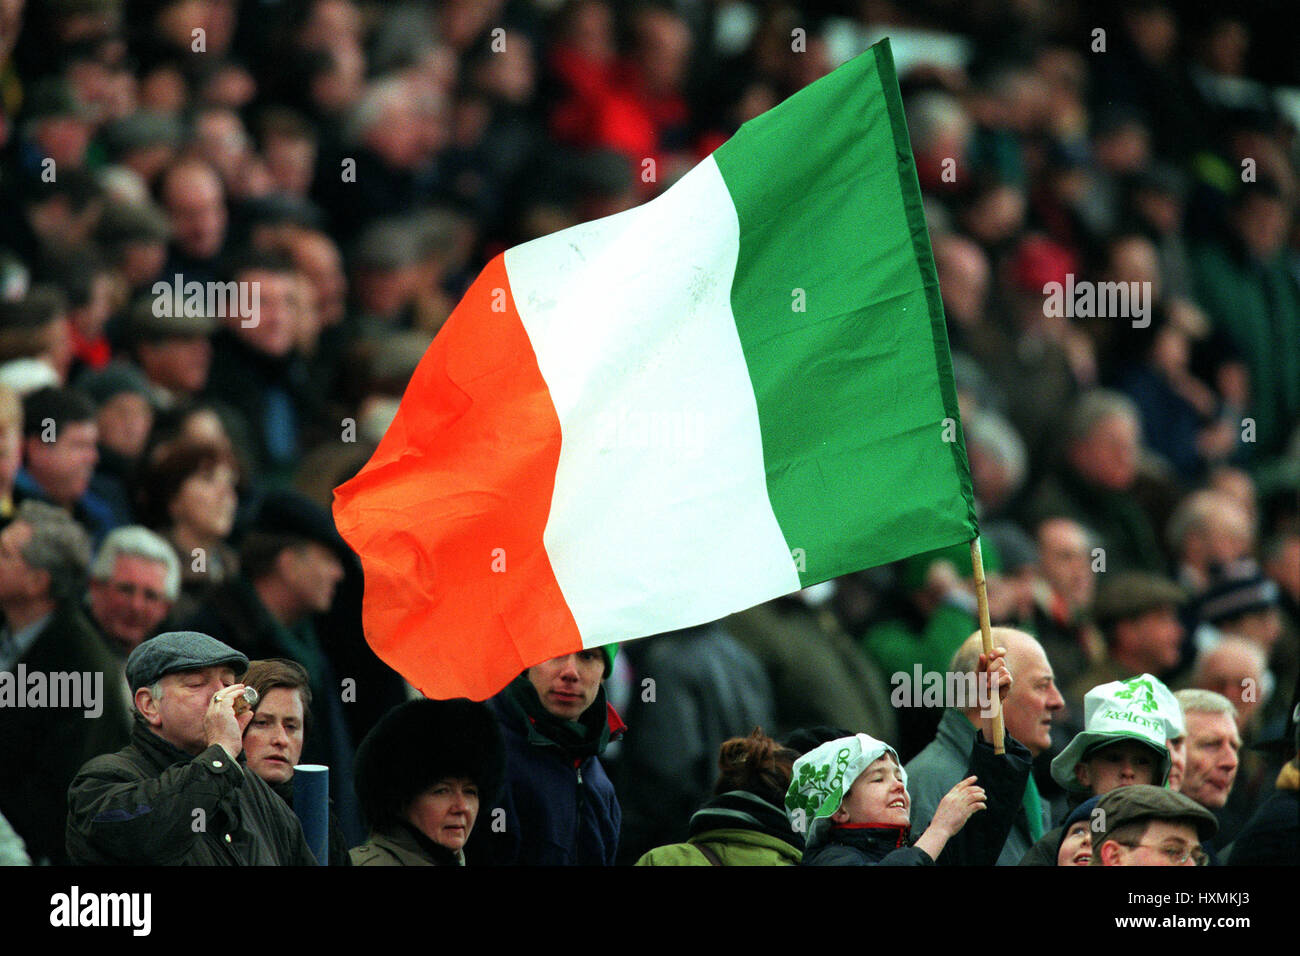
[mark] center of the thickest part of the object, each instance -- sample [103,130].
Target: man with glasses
[1142,825]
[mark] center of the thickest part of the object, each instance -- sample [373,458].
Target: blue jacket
[553,810]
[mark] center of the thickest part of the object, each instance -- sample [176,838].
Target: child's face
[1118,765]
[1076,848]
[877,796]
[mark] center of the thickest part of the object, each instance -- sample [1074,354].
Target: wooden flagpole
[982,598]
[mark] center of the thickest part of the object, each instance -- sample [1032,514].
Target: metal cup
[244,701]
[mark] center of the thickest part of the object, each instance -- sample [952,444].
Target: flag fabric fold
[646,422]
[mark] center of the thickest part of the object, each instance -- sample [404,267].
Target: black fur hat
[420,742]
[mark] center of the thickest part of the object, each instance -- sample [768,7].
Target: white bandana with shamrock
[823,776]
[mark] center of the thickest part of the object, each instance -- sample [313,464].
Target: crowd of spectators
[167,455]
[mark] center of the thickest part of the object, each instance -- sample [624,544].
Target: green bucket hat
[1141,709]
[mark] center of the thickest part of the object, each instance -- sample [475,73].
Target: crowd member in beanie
[423,773]
[743,824]
[559,805]
[1074,847]
[274,737]
[1242,602]
[850,795]
[1150,826]
[140,805]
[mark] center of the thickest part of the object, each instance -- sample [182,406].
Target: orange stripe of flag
[448,514]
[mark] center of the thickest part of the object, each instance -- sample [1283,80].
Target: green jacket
[1257,305]
[403,848]
[897,648]
[734,847]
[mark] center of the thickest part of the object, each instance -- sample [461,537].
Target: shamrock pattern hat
[1141,708]
[822,777]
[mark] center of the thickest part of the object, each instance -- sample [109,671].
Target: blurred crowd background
[1137,483]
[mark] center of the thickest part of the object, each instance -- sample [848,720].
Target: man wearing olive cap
[1138,614]
[177,794]
[1142,825]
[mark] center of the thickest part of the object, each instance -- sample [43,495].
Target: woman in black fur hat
[422,773]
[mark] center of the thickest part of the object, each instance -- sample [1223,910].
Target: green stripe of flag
[853,391]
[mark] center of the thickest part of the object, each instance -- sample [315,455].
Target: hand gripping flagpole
[982,598]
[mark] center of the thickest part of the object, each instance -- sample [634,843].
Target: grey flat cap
[179,651]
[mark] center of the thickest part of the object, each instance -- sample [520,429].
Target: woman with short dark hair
[188,494]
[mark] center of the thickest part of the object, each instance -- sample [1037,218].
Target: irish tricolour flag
[653,420]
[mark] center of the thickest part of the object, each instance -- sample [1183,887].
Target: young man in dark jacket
[177,794]
[557,807]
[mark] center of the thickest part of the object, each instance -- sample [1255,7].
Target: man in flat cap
[1143,825]
[1138,615]
[177,794]
[173,351]
[290,566]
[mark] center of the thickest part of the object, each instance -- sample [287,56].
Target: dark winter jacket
[235,615]
[338,843]
[978,843]
[1272,836]
[557,809]
[938,768]
[867,844]
[141,806]
[42,748]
